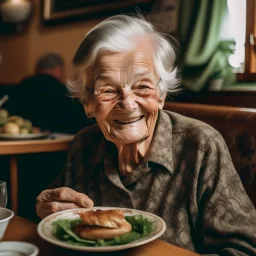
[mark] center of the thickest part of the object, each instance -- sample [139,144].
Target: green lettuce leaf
[63,230]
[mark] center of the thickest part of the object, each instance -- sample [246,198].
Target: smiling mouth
[129,121]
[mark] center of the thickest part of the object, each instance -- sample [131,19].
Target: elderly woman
[140,156]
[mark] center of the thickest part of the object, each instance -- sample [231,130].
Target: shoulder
[40,81]
[87,139]
[193,130]
[89,133]
[38,77]
[184,124]
[28,81]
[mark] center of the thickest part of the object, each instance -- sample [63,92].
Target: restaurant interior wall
[19,51]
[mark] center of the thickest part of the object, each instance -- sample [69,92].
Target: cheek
[103,109]
[150,103]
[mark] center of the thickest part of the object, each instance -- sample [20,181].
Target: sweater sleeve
[80,160]
[65,178]
[227,217]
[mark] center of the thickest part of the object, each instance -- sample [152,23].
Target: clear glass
[3,194]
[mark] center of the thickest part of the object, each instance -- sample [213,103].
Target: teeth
[128,121]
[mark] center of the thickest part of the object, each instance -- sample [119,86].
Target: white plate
[18,249]
[45,229]
[30,136]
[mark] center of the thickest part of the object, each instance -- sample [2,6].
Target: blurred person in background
[44,100]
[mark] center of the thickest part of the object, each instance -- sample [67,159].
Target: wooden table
[20,229]
[56,142]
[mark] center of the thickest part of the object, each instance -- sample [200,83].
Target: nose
[127,100]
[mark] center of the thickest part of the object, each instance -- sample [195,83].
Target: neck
[130,155]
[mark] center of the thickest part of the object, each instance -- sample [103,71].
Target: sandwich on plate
[100,224]
[102,228]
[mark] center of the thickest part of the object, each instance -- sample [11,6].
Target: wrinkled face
[126,98]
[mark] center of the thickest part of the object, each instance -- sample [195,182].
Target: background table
[21,229]
[55,142]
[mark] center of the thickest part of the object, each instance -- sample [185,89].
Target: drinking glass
[3,194]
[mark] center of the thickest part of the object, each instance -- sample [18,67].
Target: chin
[128,138]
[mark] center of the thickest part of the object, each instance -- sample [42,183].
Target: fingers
[54,200]
[45,209]
[65,194]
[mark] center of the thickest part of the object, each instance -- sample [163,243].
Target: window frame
[249,73]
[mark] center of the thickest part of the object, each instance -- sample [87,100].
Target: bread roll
[102,224]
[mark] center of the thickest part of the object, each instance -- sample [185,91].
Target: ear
[88,108]
[161,101]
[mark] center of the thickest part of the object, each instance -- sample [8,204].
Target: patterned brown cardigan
[187,178]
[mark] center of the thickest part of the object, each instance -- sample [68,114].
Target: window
[250,42]
[243,19]
[237,20]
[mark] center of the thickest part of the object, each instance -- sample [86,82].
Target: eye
[143,86]
[109,91]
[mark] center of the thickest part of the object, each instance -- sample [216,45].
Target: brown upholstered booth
[238,128]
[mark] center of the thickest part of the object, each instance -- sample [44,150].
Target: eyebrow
[101,76]
[142,73]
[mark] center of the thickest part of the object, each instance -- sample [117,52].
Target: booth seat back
[238,128]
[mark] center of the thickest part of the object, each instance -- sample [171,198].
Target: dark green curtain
[203,54]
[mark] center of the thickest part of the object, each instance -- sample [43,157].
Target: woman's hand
[54,200]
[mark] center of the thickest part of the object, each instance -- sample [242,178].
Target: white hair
[116,34]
